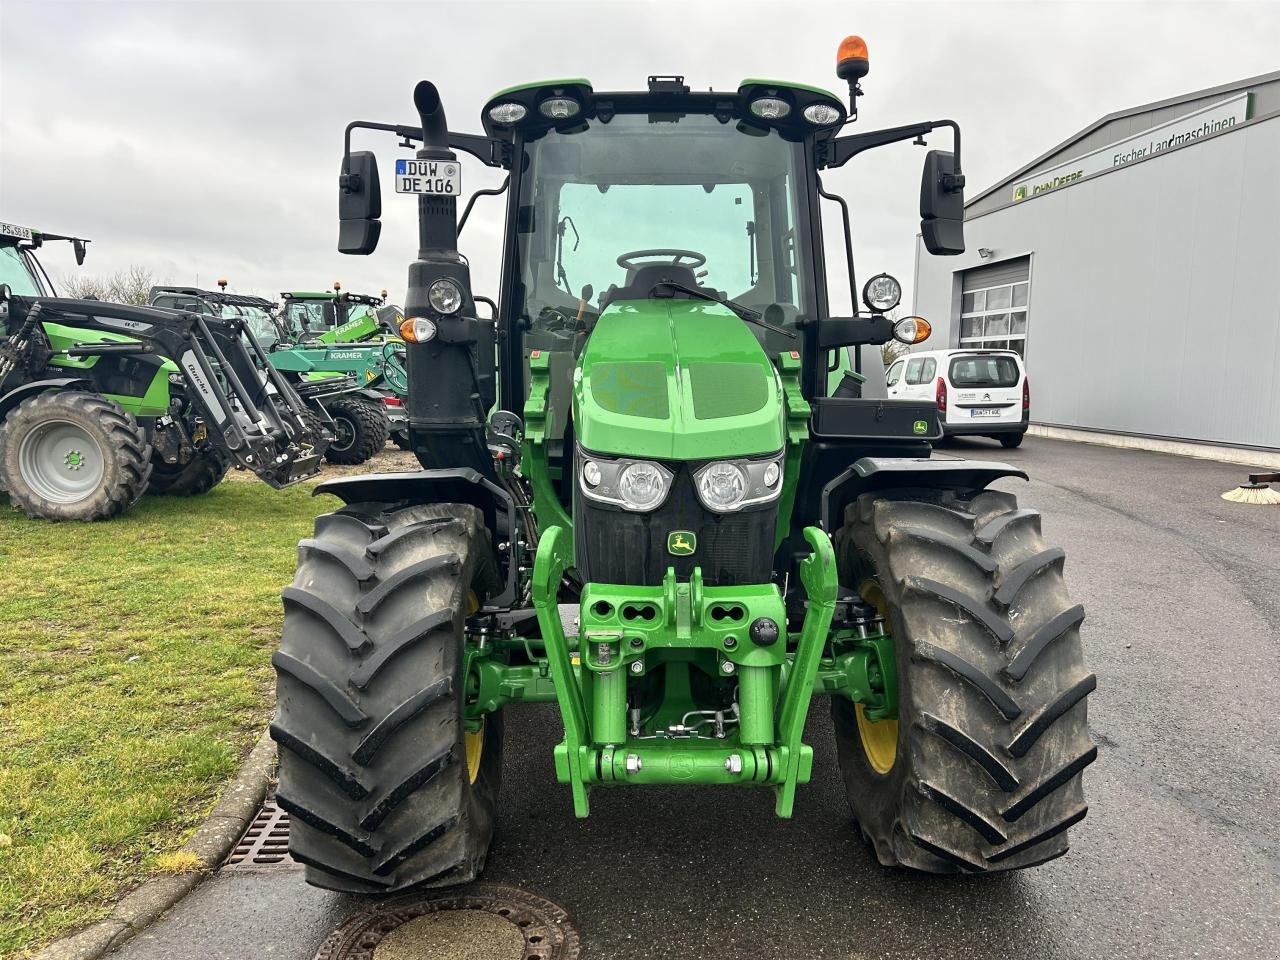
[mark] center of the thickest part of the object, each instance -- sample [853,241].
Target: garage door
[994,305]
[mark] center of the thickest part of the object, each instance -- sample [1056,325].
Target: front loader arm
[255,416]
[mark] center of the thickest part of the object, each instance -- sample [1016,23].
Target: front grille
[617,546]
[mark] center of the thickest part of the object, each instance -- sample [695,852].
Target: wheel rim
[475,751]
[61,461]
[474,740]
[344,434]
[879,737]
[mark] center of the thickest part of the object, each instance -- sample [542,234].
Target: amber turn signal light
[911,330]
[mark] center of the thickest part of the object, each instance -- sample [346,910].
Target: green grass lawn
[135,666]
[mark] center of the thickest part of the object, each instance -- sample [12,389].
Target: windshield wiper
[746,313]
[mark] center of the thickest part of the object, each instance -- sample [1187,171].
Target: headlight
[722,486]
[882,293]
[821,113]
[445,296]
[559,108]
[635,485]
[642,485]
[728,485]
[770,108]
[507,113]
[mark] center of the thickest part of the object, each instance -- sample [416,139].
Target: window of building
[995,317]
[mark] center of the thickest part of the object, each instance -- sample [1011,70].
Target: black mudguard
[18,394]
[870,474]
[454,485]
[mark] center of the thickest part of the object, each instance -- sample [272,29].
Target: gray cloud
[203,139]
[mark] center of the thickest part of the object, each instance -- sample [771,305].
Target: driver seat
[642,279]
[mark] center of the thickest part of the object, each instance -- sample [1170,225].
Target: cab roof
[666,97]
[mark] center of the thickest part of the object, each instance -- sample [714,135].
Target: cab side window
[895,373]
[913,370]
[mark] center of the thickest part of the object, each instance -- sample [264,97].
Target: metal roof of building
[1186,98]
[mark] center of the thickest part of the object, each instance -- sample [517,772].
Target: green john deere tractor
[342,401]
[668,511]
[101,402]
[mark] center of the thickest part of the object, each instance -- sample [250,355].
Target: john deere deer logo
[1020,193]
[681,543]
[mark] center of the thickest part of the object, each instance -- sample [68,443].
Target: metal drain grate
[545,927]
[266,842]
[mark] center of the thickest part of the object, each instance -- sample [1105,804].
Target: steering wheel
[627,260]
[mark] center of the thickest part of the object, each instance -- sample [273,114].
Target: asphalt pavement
[1179,856]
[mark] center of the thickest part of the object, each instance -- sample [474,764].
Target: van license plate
[430,177]
[978,412]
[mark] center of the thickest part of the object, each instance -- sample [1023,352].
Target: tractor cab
[256,313]
[338,317]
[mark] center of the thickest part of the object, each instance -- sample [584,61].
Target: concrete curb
[1244,456]
[211,843]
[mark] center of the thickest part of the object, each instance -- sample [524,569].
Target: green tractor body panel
[153,401]
[676,380]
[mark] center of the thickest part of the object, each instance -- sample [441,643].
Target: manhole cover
[483,921]
[266,842]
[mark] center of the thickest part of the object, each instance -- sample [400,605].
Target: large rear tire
[385,786]
[360,430]
[199,475]
[73,455]
[981,771]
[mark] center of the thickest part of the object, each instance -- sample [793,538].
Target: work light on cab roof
[659,429]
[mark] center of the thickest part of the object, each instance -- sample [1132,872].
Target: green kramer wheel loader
[338,317]
[101,402]
[657,501]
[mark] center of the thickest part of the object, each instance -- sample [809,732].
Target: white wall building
[1136,266]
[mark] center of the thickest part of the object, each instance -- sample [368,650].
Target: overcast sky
[202,139]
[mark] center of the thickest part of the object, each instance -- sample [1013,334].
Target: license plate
[430,177]
[975,413]
[13,230]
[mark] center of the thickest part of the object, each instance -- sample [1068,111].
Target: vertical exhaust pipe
[451,374]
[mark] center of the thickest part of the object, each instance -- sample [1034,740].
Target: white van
[978,392]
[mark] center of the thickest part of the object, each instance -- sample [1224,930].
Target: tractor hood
[676,380]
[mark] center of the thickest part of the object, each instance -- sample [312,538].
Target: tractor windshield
[723,196]
[303,317]
[258,320]
[15,271]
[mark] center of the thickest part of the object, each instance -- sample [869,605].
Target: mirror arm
[854,331]
[838,152]
[494,192]
[490,152]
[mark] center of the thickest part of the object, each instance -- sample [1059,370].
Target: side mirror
[79,247]
[359,204]
[942,204]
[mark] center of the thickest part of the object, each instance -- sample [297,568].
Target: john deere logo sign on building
[1186,129]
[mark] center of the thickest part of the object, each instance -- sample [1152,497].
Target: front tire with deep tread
[373,762]
[121,442]
[197,476]
[361,429]
[992,730]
